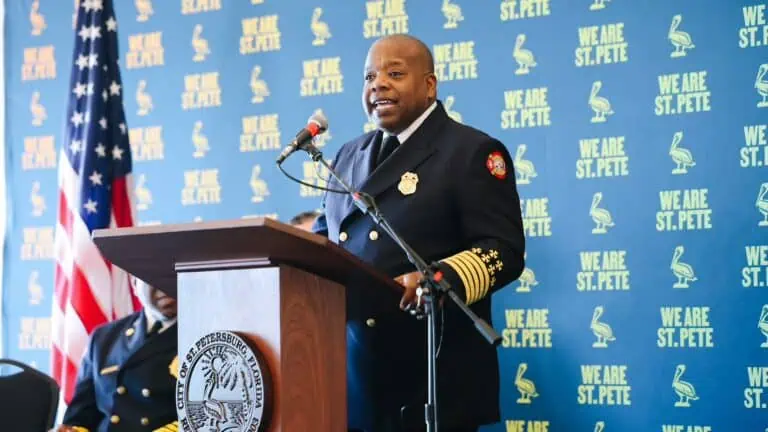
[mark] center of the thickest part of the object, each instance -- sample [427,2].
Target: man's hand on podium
[411,283]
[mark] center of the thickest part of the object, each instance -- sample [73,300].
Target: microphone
[316,125]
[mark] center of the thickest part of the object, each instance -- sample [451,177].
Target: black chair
[28,399]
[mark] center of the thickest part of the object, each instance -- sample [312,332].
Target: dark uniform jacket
[126,381]
[450,192]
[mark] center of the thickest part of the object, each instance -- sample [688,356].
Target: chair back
[28,399]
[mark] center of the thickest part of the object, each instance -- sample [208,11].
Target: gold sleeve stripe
[476,287]
[459,269]
[79,429]
[170,427]
[485,277]
[473,272]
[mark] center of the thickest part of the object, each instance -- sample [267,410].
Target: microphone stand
[432,287]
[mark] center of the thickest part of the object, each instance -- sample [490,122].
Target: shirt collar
[407,132]
[151,321]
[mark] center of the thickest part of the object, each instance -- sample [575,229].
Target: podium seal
[223,385]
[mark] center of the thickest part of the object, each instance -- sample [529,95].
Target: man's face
[306,225]
[397,86]
[165,304]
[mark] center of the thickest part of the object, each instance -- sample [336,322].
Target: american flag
[95,187]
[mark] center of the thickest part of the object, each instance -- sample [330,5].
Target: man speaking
[449,190]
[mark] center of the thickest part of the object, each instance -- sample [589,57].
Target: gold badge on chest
[408,182]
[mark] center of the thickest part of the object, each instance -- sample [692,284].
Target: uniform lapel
[165,341]
[410,154]
[133,337]
[362,163]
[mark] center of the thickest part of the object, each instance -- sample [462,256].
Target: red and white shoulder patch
[496,165]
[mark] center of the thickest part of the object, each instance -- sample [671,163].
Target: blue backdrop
[639,135]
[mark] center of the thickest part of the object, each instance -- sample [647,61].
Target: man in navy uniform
[449,190]
[127,379]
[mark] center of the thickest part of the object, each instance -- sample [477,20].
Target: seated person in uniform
[304,220]
[127,378]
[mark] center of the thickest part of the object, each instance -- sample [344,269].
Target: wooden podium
[280,288]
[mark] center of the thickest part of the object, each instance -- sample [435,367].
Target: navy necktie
[155,329]
[389,145]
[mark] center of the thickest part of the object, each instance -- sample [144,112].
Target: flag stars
[103,122]
[77,118]
[93,60]
[95,32]
[90,206]
[117,153]
[82,61]
[79,90]
[101,150]
[104,95]
[122,128]
[85,32]
[93,4]
[96,178]
[111,24]
[114,88]
[75,146]
[89,32]
[90,89]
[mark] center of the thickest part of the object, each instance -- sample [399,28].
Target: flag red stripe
[68,381]
[84,303]
[65,216]
[121,206]
[61,288]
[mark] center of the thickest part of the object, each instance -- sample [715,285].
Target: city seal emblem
[224,385]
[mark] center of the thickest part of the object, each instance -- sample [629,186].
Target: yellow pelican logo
[683,271]
[603,331]
[524,169]
[762,204]
[144,10]
[143,99]
[34,288]
[600,216]
[600,105]
[319,28]
[258,185]
[36,19]
[258,86]
[525,386]
[761,84]
[680,39]
[527,278]
[37,200]
[682,157]
[143,195]
[523,57]
[39,113]
[199,140]
[762,324]
[455,115]
[452,13]
[598,5]
[684,390]
[199,44]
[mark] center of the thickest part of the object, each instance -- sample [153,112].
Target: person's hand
[411,283]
